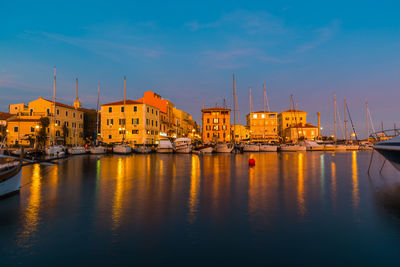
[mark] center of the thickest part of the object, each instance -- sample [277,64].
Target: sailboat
[54,150]
[10,177]
[123,148]
[251,147]
[165,146]
[97,149]
[265,147]
[76,150]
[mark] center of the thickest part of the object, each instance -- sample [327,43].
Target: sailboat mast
[266,99]
[97,113]
[234,109]
[366,109]
[54,106]
[264,114]
[250,110]
[123,124]
[345,121]
[334,117]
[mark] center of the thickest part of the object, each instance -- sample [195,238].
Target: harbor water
[311,208]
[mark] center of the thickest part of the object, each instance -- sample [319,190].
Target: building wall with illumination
[300,131]
[263,126]
[240,132]
[21,130]
[185,126]
[71,117]
[290,118]
[135,122]
[216,124]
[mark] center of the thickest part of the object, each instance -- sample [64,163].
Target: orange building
[167,126]
[216,124]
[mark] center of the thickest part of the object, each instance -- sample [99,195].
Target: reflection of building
[263,126]
[300,131]
[240,132]
[216,124]
[135,122]
[67,124]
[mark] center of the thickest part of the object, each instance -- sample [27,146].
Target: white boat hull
[54,150]
[77,150]
[207,150]
[251,148]
[294,148]
[224,148]
[183,149]
[98,150]
[165,150]
[268,148]
[122,149]
[12,184]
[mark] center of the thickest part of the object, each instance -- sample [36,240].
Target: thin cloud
[323,35]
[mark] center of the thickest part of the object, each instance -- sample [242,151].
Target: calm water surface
[307,208]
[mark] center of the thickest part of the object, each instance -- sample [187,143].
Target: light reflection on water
[144,208]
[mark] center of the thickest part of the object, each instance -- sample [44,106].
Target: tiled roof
[61,104]
[127,102]
[4,115]
[294,110]
[215,109]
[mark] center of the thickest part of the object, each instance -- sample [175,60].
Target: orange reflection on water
[333,175]
[31,213]
[194,188]
[300,185]
[355,192]
[117,201]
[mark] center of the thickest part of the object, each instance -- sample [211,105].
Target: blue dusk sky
[187,51]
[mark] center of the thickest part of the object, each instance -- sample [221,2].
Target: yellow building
[301,131]
[22,130]
[290,118]
[216,124]
[185,126]
[66,122]
[263,126]
[240,132]
[135,122]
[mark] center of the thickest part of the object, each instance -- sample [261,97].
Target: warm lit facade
[22,130]
[185,126]
[290,118]
[240,132]
[3,118]
[135,122]
[66,126]
[216,124]
[263,126]
[166,109]
[301,131]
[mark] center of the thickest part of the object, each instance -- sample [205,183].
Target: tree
[3,132]
[42,135]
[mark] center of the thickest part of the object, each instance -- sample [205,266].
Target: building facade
[291,118]
[135,123]
[263,126]
[66,122]
[216,125]
[240,132]
[300,131]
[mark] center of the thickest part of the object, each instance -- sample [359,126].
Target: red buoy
[252,162]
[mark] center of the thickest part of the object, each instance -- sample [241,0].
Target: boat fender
[252,162]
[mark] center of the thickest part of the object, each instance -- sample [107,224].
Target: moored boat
[312,145]
[183,145]
[123,149]
[77,150]
[390,149]
[292,148]
[55,150]
[165,146]
[268,148]
[251,148]
[204,149]
[142,150]
[10,177]
[224,148]
[97,150]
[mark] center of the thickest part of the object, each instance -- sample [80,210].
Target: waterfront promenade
[309,208]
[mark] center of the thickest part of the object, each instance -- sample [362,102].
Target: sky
[187,51]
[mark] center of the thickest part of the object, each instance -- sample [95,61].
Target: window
[287,118]
[301,118]
[67,123]
[152,111]
[32,129]
[152,123]
[108,122]
[287,124]
[224,135]
[148,109]
[112,121]
[110,111]
[121,131]
[156,123]
[135,121]
[135,131]
[156,112]
[223,127]
[80,135]
[31,112]
[255,116]
[134,108]
[215,120]
[122,109]
[215,128]
[208,135]
[48,111]
[81,116]
[262,116]
[57,133]
[110,136]
[152,132]
[223,121]
[208,120]
[66,113]
[58,112]
[147,121]
[73,114]
[156,132]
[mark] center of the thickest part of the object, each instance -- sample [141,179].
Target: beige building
[240,132]
[135,122]
[290,118]
[66,122]
[216,124]
[185,126]
[22,130]
[301,131]
[263,126]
